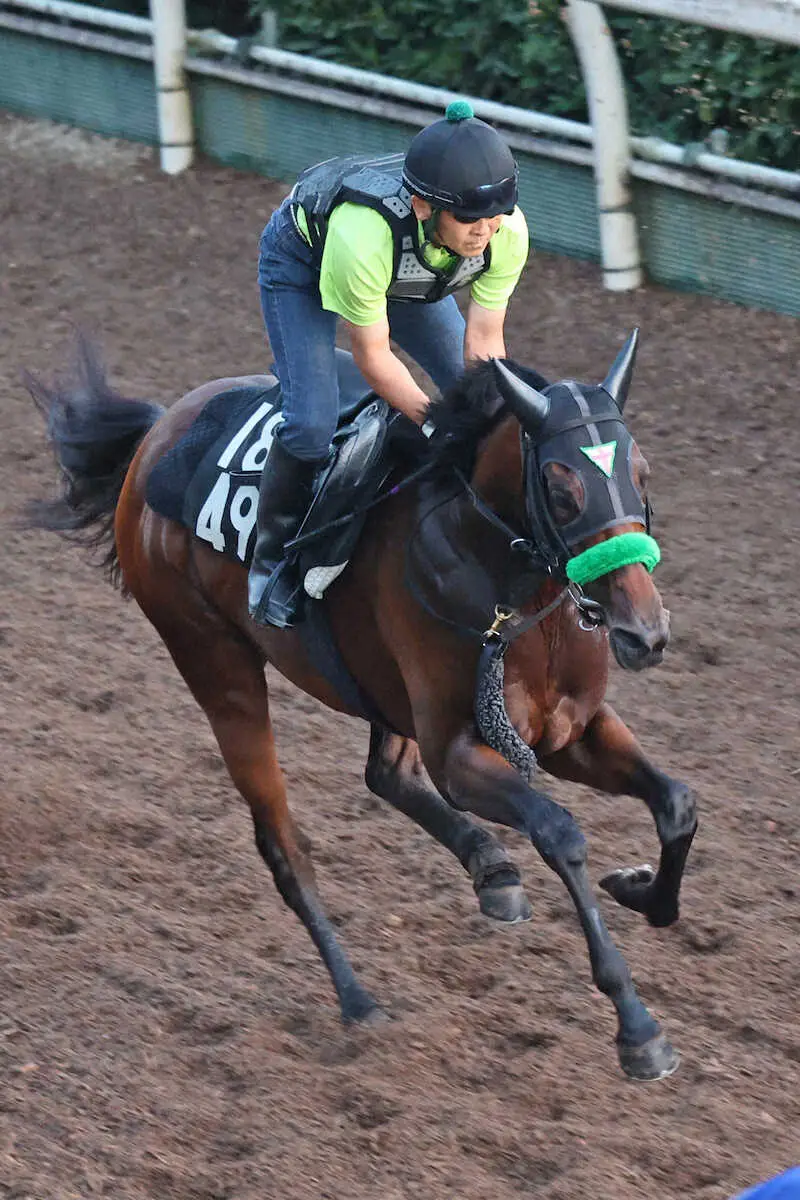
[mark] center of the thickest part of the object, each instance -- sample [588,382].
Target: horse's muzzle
[636,650]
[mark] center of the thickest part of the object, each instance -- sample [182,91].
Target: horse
[477,615]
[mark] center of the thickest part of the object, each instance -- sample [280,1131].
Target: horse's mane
[467,411]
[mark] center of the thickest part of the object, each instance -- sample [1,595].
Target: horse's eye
[563,506]
[641,471]
[565,497]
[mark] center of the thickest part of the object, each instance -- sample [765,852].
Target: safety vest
[377,183]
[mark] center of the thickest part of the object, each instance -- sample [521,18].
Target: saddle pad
[209,480]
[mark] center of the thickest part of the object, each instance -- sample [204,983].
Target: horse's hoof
[634,888]
[509,905]
[363,1009]
[656,1059]
[375,1018]
[630,886]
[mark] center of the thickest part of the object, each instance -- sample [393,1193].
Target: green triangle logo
[602,456]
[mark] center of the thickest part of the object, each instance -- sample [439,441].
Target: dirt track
[166,1030]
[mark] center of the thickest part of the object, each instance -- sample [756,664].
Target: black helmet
[461,164]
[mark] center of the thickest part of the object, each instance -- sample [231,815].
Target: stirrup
[280,600]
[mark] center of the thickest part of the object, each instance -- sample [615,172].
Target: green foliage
[233,17]
[683,81]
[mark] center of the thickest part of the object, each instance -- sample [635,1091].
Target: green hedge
[683,81]
[234,17]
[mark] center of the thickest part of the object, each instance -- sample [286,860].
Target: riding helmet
[463,165]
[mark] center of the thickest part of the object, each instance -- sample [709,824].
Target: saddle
[209,481]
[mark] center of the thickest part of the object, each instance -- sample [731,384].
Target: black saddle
[209,481]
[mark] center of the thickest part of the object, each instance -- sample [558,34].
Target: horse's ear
[528,406]
[618,379]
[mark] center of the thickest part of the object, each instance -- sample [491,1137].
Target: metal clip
[590,614]
[502,613]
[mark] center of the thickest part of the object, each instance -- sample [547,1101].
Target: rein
[508,623]
[314,535]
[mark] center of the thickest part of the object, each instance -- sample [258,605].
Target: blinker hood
[581,428]
[587,434]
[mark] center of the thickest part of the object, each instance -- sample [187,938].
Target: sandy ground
[166,1030]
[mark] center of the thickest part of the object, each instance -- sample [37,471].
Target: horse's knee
[677,815]
[559,840]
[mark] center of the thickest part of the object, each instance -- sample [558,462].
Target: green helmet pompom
[459,110]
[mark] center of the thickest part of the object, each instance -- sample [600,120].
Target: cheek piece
[620,551]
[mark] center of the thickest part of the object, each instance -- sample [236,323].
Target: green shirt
[358,256]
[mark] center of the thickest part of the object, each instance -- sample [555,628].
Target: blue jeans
[302,335]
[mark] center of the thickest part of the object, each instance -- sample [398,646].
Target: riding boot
[285,495]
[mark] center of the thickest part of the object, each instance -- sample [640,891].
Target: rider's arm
[490,293]
[384,371]
[484,333]
[355,275]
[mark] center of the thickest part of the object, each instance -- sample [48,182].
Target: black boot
[285,494]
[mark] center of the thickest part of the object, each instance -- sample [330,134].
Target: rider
[371,240]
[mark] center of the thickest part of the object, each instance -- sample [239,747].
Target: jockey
[372,240]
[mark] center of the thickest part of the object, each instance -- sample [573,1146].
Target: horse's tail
[94,433]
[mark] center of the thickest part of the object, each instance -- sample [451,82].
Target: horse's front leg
[476,778]
[396,773]
[609,758]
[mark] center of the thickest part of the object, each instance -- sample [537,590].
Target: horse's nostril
[634,651]
[629,641]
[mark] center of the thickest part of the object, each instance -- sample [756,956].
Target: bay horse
[477,614]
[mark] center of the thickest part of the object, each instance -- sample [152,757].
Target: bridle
[543,546]
[508,623]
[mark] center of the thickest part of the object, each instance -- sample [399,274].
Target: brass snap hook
[502,613]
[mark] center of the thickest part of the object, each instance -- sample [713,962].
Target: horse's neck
[497,475]
[467,559]
[458,563]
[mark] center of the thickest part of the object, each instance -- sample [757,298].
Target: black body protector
[377,183]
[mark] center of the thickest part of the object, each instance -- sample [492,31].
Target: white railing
[84,14]
[778,20]
[605,90]
[175,124]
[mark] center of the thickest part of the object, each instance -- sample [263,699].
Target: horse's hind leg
[226,677]
[609,758]
[395,772]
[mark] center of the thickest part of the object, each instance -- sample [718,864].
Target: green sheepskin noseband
[619,551]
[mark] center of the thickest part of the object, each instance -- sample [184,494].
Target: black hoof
[656,1059]
[635,888]
[374,1018]
[362,1009]
[630,886]
[508,905]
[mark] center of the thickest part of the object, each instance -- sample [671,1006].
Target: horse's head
[584,501]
